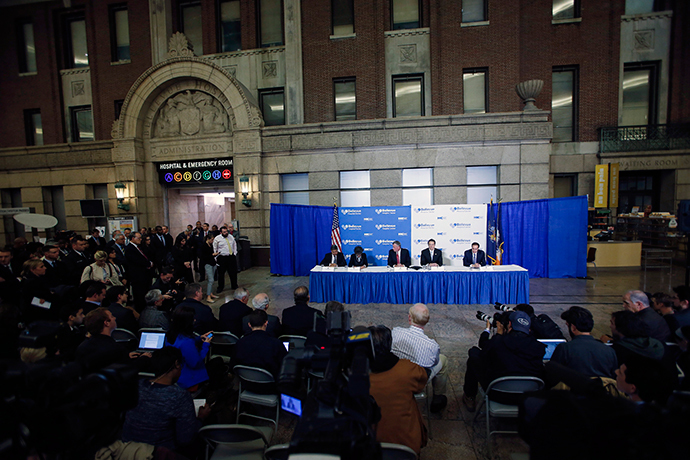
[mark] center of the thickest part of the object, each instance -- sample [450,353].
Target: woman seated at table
[359,259]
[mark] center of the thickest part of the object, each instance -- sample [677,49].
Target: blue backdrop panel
[568,237]
[525,233]
[300,237]
[375,229]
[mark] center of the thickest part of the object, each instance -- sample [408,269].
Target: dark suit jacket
[258,349]
[273,329]
[56,273]
[354,263]
[404,258]
[124,317]
[204,320]
[120,253]
[467,259]
[10,288]
[230,316]
[96,244]
[160,250]
[299,319]
[427,258]
[75,264]
[138,265]
[328,257]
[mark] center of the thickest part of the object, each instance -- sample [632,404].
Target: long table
[452,285]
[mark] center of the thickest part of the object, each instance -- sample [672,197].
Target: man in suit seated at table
[399,257]
[474,257]
[334,258]
[432,256]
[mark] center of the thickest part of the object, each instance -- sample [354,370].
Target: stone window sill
[474,24]
[341,37]
[566,21]
[123,62]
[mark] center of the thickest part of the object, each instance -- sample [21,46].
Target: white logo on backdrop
[354,212]
[460,209]
[355,242]
[385,226]
[380,242]
[460,225]
[385,211]
[351,227]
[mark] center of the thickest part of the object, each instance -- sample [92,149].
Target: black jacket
[326,261]
[514,353]
[427,258]
[258,349]
[230,316]
[355,263]
[404,258]
[203,316]
[299,319]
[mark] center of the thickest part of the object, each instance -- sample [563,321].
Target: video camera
[501,317]
[338,414]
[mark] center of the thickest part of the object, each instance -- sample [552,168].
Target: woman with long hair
[102,270]
[181,335]
[183,256]
[119,268]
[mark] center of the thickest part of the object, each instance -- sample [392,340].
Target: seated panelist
[399,257]
[432,256]
[474,257]
[334,258]
[359,259]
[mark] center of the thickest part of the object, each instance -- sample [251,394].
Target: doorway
[215,206]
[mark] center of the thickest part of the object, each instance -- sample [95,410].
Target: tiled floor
[455,328]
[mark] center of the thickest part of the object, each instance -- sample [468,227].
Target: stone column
[294,91]
[160,16]
[247,162]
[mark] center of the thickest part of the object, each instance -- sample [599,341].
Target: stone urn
[528,90]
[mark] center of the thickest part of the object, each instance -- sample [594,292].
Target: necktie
[474,257]
[398,253]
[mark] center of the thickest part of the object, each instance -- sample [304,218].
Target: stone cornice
[642,17]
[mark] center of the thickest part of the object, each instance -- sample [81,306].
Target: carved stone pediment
[180,46]
[190,113]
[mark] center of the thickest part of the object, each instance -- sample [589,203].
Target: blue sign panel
[375,229]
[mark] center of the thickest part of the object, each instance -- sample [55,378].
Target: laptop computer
[551,345]
[151,341]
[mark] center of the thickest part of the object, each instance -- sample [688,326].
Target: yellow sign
[601,186]
[613,184]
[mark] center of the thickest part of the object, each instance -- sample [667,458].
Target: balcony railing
[649,137]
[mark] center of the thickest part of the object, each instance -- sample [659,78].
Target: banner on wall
[601,186]
[614,176]
[454,227]
[375,229]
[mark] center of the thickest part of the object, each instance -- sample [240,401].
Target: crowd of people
[148,280]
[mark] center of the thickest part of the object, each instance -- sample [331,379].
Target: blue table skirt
[462,288]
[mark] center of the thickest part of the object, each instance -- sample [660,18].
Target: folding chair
[390,451]
[125,337]
[425,396]
[257,378]
[296,341]
[235,441]
[223,345]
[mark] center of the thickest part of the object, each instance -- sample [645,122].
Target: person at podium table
[475,257]
[399,257]
[359,259]
[431,256]
[334,258]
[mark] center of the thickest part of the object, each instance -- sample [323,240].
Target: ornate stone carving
[528,91]
[180,46]
[77,88]
[270,69]
[115,129]
[188,113]
[408,53]
[644,40]
[232,70]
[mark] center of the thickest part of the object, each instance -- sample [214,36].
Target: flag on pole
[494,249]
[335,229]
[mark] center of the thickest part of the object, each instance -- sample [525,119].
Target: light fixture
[246,190]
[120,193]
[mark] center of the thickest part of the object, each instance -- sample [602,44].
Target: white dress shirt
[225,245]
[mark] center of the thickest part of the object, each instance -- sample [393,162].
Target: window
[345,101]
[564,103]
[639,188]
[354,188]
[119,33]
[482,184]
[294,188]
[190,25]
[639,94]
[230,26]
[474,10]
[273,106]
[118,107]
[82,124]
[33,127]
[271,23]
[406,14]
[474,94]
[77,52]
[54,205]
[566,9]
[408,96]
[564,185]
[639,6]
[343,17]
[27,47]
[418,187]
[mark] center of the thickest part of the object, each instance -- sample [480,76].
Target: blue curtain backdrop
[300,236]
[568,237]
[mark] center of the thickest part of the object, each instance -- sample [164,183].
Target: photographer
[173,291]
[511,351]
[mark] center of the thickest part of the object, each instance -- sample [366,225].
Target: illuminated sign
[197,173]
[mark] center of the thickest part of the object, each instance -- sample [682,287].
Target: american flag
[335,229]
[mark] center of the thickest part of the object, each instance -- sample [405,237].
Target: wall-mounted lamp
[246,190]
[120,189]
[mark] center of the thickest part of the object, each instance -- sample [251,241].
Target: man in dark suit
[204,320]
[261,302]
[140,271]
[77,260]
[398,257]
[161,247]
[258,349]
[432,256]
[334,258]
[96,242]
[55,268]
[9,282]
[118,243]
[231,313]
[299,319]
[474,257]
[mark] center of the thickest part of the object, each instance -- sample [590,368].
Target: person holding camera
[511,351]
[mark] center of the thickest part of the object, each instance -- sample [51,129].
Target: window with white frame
[354,188]
[294,188]
[482,184]
[417,187]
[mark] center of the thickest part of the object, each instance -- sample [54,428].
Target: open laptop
[551,345]
[151,341]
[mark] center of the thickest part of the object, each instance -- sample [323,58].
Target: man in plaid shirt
[412,344]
